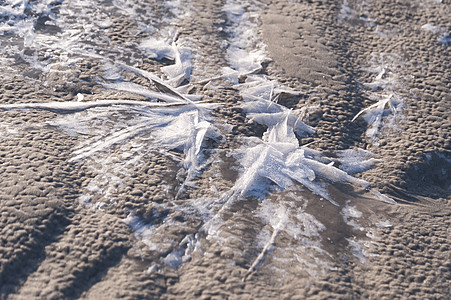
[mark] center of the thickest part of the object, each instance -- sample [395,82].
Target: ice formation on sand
[279,158]
[145,113]
[374,114]
[384,89]
[246,52]
[355,161]
[355,11]
[153,235]
[119,132]
[276,161]
[72,107]
[177,123]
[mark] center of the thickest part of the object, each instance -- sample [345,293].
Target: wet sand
[54,246]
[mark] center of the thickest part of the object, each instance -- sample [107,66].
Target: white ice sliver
[261,95]
[158,48]
[156,80]
[182,67]
[430,28]
[182,57]
[259,87]
[375,113]
[145,232]
[246,52]
[300,226]
[349,214]
[113,139]
[444,37]
[358,251]
[384,224]
[112,72]
[243,62]
[378,195]
[140,90]
[13,7]
[75,106]
[355,161]
[387,110]
[178,256]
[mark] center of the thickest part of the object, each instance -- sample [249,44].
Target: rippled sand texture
[225,149]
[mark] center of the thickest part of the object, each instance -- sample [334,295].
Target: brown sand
[53,247]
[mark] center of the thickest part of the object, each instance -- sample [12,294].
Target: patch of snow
[349,214]
[430,28]
[445,39]
[384,224]
[246,51]
[358,250]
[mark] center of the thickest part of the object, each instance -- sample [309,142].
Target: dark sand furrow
[128,280]
[23,251]
[35,200]
[90,245]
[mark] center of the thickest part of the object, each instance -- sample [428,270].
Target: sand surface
[121,221]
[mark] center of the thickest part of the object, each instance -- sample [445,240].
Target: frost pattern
[117,133]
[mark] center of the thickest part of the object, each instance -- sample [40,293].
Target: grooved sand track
[167,190]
